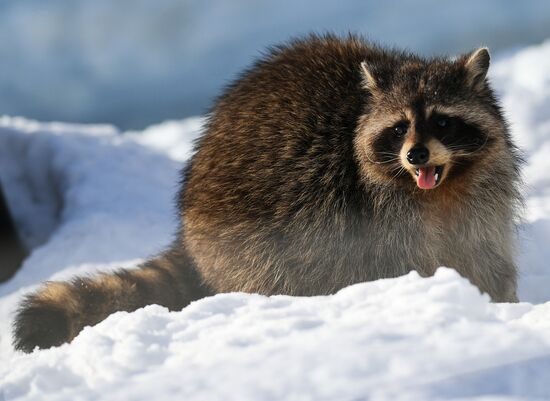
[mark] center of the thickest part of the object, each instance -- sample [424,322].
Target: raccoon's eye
[443,122]
[400,130]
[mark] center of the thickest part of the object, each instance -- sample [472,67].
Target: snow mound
[376,338]
[90,198]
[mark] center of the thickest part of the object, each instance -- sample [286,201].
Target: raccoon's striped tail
[58,311]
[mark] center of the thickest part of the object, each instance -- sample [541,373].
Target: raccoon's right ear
[477,65]
[369,82]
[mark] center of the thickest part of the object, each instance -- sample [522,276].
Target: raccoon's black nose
[419,154]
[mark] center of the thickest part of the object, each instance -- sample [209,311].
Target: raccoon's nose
[419,154]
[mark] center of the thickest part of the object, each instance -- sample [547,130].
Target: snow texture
[89,198]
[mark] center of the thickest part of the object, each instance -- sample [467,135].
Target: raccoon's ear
[369,82]
[477,65]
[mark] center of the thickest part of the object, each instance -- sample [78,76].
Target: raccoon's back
[274,175]
[280,140]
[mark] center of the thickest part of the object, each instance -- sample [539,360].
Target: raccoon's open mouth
[428,177]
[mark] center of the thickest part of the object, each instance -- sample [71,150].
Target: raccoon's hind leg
[58,311]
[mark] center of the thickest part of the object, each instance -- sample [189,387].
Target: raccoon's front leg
[501,281]
[58,311]
[505,290]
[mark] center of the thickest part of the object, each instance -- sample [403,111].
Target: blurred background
[137,62]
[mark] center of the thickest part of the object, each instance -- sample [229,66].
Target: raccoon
[331,161]
[12,251]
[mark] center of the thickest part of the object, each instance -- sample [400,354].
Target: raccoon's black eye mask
[457,134]
[387,144]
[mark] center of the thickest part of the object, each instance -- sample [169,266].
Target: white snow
[88,198]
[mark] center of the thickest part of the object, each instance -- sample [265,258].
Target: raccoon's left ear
[369,81]
[477,65]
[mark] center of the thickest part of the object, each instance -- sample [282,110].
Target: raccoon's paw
[40,324]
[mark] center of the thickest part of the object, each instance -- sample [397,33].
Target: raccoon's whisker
[455,147]
[395,158]
[458,148]
[481,147]
[399,169]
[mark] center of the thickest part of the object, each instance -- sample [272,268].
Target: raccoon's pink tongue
[426,177]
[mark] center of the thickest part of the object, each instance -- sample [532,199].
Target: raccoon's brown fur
[301,185]
[12,251]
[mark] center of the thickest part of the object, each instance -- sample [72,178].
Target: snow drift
[435,337]
[88,198]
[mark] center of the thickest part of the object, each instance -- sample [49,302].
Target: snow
[89,198]
[341,347]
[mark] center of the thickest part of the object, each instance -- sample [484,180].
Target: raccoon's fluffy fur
[301,184]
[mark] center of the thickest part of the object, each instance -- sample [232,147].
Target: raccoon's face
[428,122]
